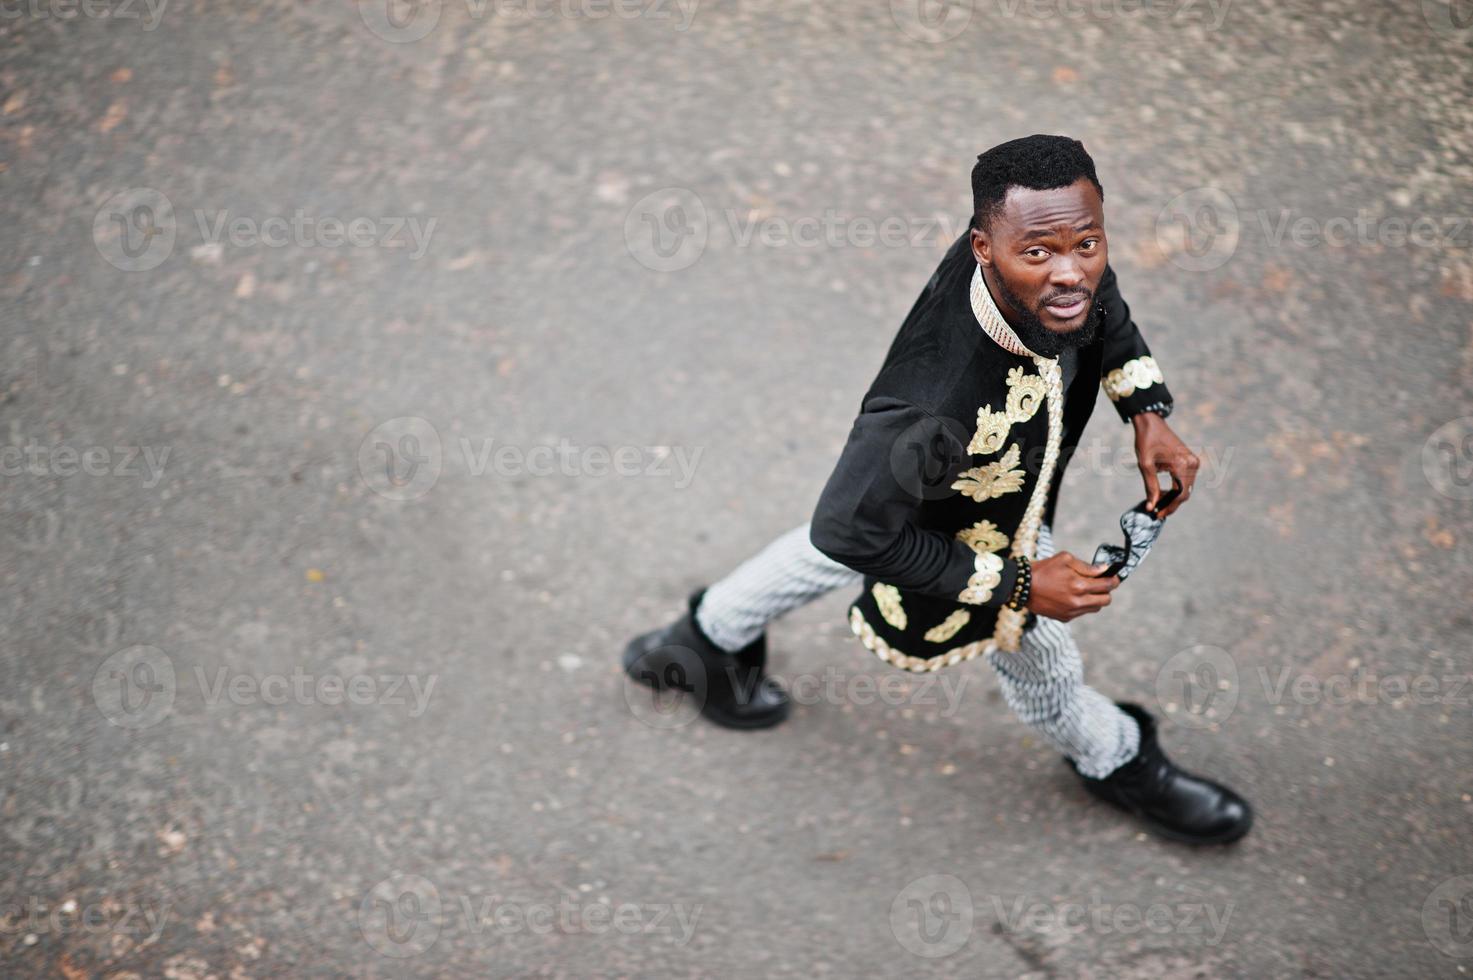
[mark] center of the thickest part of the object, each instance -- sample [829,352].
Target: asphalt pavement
[370,374]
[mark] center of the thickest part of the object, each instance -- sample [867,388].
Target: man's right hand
[1066,588]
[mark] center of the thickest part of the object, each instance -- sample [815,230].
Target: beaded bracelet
[1022,585]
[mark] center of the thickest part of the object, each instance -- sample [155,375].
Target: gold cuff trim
[1132,376]
[987,576]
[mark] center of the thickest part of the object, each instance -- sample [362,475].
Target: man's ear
[981,248]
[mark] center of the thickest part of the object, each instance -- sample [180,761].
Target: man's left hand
[1157,449]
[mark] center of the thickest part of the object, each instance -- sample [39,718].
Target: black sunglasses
[1141,527]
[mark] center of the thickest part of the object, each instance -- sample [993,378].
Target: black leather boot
[731,689]
[1175,804]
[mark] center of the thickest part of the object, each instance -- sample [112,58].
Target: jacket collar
[990,318]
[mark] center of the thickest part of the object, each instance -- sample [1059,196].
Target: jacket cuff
[991,580]
[1162,409]
[1137,386]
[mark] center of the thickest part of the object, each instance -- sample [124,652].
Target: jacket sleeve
[897,456]
[1129,374]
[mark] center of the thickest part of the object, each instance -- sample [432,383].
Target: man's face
[1043,257]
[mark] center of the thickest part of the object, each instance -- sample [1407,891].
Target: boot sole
[710,712]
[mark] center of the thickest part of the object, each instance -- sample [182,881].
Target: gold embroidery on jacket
[918,665]
[1010,622]
[992,431]
[982,483]
[987,576]
[1025,394]
[948,627]
[887,597]
[983,536]
[1132,376]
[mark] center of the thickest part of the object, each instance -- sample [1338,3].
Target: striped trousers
[1043,683]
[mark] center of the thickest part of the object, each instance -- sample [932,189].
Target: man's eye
[1036,253]
[1090,244]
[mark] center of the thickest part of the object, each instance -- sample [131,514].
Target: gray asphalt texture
[268,712]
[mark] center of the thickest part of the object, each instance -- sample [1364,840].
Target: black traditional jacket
[955,461]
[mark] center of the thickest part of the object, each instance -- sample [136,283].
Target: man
[942,500]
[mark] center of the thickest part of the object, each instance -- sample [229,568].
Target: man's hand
[1066,588]
[1157,449]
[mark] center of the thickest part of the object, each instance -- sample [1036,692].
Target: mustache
[1069,296]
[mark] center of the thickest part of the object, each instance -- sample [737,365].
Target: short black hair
[1037,162]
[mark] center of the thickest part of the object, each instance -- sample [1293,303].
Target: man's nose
[1067,273]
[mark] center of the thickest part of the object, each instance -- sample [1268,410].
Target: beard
[1039,338]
